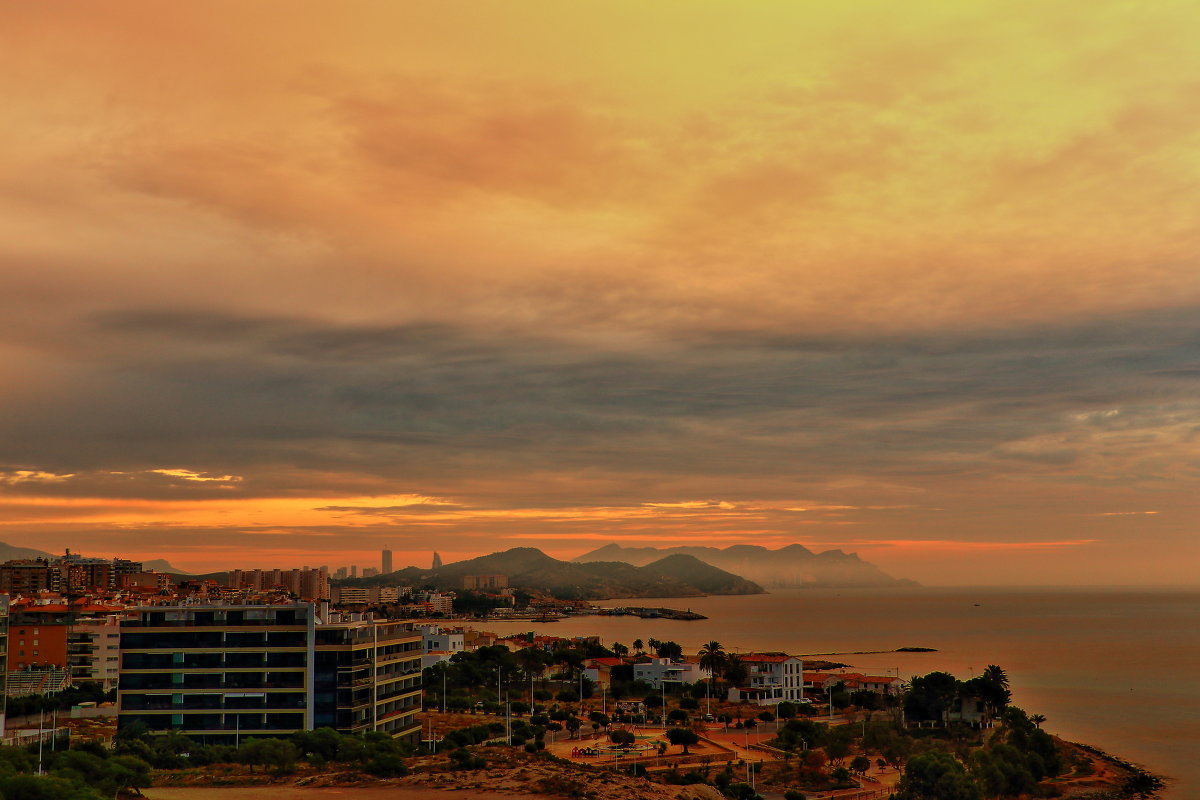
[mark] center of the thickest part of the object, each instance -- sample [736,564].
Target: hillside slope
[532,570]
[793,565]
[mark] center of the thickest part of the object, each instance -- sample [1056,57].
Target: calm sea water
[1118,669]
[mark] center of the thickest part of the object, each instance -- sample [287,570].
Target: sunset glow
[285,283]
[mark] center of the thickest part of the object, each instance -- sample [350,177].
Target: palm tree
[620,649]
[996,674]
[653,645]
[996,689]
[1037,719]
[712,656]
[638,646]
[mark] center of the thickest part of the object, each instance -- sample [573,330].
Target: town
[243,668]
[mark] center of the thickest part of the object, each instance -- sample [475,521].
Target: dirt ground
[302,793]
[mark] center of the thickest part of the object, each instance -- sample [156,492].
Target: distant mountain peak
[792,565]
[531,569]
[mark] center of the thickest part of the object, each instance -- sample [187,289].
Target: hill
[793,565]
[9,552]
[705,577]
[532,570]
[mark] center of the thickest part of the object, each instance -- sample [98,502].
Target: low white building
[660,670]
[435,638]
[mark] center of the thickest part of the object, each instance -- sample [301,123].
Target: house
[818,683]
[771,678]
[658,671]
[599,670]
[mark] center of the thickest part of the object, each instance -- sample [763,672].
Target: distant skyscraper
[387,561]
[353,570]
[437,560]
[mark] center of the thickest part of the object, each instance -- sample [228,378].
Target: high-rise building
[224,672]
[353,571]
[306,584]
[3,660]
[387,561]
[93,650]
[437,560]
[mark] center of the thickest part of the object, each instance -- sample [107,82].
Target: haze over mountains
[793,565]
[677,575]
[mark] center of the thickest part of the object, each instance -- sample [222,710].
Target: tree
[837,742]
[930,697]
[682,736]
[573,725]
[860,764]
[735,671]
[620,650]
[936,775]
[712,657]
[996,675]
[277,753]
[622,738]
[638,646]
[671,650]
[841,777]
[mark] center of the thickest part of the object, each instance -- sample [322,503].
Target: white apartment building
[660,670]
[772,678]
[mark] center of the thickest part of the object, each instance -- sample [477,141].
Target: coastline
[1154,784]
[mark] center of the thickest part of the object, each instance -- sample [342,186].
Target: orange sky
[285,282]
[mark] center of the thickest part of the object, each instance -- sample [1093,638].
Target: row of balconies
[192,683]
[128,705]
[218,660]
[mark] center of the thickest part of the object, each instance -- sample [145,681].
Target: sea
[1115,668]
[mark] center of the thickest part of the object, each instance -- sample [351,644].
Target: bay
[1114,668]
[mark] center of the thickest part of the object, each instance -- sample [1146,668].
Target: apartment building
[368,676]
[70,573]
[305,583]
[658,671]
[219,673]
[771,678]
[93,650]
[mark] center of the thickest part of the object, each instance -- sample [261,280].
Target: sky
[285,283]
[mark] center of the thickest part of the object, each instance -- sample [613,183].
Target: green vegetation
[88,772]
[86,692]
[950,761]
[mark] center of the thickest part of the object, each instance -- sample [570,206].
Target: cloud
[191,475]
[932,271]
[19,476]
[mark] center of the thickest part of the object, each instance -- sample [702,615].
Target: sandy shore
[303,793]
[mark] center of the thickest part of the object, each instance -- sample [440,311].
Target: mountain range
[793,565]
[527,568]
